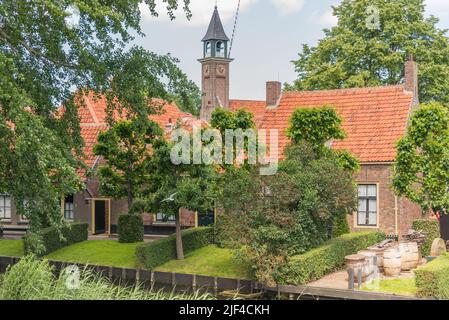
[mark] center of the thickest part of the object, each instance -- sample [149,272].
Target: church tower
[215,68]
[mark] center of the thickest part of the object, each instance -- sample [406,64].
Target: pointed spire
[215,30]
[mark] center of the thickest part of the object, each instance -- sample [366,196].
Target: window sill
[366,227]
[164,224]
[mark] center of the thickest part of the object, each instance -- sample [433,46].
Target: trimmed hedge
[156,253]
[432,230]
[326,259]
[130,228]
[340,226]
[432,279]
[72,233]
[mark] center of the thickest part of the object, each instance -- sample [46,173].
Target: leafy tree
[176,186]
[304,126]
[239,122]
[357,54]
[275,217]
[127,147]
[317,127]
[422,163]
[43,58]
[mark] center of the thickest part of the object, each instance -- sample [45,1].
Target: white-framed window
[220,50]
[5,207]
[367,211]
[208,49]
[69,208]
[160,217]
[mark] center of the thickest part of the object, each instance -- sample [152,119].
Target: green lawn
[11,248]
[404,287]
[99,252]
[208,261]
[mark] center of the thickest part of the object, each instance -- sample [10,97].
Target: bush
[130,228]
[432,279]
[328,258]
[431,228]
[156,253]
[50,240]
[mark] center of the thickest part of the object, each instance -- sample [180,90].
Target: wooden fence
[188,282]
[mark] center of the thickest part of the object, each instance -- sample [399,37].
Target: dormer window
[220,49]
[208,49]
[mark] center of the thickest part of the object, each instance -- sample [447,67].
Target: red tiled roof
[92,115]
[374,118]
[257,107]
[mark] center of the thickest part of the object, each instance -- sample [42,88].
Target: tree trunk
[179,247]
[130,186]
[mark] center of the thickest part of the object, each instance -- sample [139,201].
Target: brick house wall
[394,214]
[83,202]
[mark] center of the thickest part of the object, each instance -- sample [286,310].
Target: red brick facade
[394,214]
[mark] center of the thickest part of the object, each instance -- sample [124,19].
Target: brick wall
[188,218]
[394,214]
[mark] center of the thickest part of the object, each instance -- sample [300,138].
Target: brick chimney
[274,90]
[411,77]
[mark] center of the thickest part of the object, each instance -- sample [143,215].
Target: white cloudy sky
[268,37]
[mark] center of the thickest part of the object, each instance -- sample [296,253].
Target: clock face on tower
[221,70]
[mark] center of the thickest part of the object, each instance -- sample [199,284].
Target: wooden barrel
[409,255]
[370,254]
[358,262]
[392,262]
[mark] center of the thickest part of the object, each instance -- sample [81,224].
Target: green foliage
[191,184]
[51,239]
[340,226]
[158,252]
[432,279]
[130,228]
[315,126]
[209,261]
[11,248]
[421,170]
[401,286]
[274,217]
[98,253]
[42,60]
[127,147]
[33,279]
[224,120]
[432,230]
[326,259]
[28,278]
[240,121]
[353,55]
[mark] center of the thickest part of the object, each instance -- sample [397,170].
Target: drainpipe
[396,215]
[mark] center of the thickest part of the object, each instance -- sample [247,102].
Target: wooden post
[359,278]
[351,279]
[216,286]
[152,279]
[194,282]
